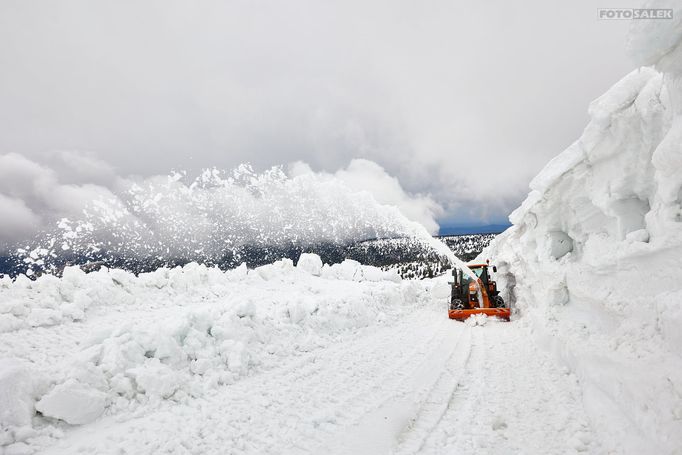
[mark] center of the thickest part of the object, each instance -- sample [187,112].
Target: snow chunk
[476,319]
[348,270]
[621,95]
[16,393]
[641,235]
[560,244]
[276,269]
[311,263]
[73,403]
[156,379]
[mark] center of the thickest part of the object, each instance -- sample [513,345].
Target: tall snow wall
[593,261]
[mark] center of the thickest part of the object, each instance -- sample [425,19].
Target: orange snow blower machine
[466,300]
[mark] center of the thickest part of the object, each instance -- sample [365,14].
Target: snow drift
[593,260]
[112,343]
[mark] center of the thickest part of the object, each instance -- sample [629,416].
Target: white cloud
[16,220]
[79,167]
[32,196]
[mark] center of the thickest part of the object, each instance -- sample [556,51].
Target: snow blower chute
[465,296]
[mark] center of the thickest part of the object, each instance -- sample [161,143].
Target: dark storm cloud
[461,100]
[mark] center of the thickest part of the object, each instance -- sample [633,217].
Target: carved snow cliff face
[594,259]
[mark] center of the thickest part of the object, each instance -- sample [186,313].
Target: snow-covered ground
[280,359]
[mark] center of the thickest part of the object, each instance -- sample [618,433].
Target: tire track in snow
[439,400]
[512,399]
[415,396]
[459,402]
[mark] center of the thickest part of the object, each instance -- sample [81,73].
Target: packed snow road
[283,359]
[423,385]
[464,389]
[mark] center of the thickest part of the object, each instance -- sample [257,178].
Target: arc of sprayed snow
[420,232]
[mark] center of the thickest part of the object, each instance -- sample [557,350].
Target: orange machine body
[466,300]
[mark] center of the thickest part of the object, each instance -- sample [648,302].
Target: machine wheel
[498,302]
[456,304]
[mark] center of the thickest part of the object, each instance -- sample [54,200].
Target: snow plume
[593,260]
[217,216]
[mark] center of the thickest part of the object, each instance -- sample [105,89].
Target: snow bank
[173,334]
[594,259]
[354,271]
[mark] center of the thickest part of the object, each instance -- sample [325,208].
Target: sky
[454,104]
